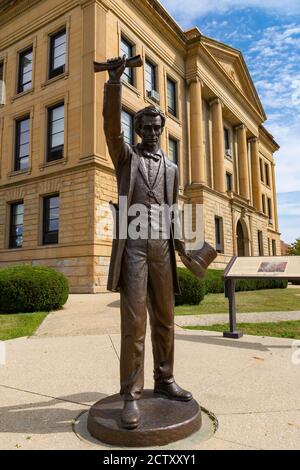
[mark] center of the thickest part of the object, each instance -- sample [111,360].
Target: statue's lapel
[169,180]
[135,160]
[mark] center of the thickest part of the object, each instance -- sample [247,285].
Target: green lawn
[272,300]
[20,324]
[284,329]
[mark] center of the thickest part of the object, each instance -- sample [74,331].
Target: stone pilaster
[273,182]
[196,128]
[256,185]
[218,145]
[243,161]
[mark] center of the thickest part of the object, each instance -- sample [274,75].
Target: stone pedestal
[162,421]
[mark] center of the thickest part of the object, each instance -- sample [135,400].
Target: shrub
[31,289]
[192,288]
[214,283]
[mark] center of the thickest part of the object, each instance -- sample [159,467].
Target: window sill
[13,174]
[48,245]
[174,118]
[152,102]
[20,95]
[61,161]
[131,87]
[62,76]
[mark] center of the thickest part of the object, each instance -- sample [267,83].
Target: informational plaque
[283,267]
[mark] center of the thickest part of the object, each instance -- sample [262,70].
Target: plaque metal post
[230,294]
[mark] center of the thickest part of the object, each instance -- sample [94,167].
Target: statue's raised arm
[112,106]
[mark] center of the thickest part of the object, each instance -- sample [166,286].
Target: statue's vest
[149,196]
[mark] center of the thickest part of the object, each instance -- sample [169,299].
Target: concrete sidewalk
[50,380]
[86,314]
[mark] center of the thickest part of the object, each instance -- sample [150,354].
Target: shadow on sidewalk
[219,341]
[46,417]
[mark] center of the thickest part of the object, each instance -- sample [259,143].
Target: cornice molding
[146,38]
[40,22]
[14,8]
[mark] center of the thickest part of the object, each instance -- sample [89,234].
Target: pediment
[232,62]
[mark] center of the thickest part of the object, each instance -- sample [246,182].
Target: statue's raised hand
[116,72]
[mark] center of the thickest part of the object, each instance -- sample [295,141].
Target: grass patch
[283,329]
[20,324]
[276,300]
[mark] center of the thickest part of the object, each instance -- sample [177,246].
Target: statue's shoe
[131,415]
[172,391]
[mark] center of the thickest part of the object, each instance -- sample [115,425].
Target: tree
[294,249]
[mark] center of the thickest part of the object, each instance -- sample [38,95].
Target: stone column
[196,126]
[218,145]
[256,187]
[275,214]
[243,161]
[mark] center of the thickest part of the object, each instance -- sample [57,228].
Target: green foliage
[32,288]
[294,249]
[215,284]
[192,288]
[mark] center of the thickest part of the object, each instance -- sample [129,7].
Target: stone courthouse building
[55,170]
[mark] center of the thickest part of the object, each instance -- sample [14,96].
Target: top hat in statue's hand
[197,261]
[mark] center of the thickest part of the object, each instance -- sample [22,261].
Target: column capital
[216,100]
[195,79]
[253,140]
[240,127]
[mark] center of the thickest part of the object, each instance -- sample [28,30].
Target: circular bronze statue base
[162,421]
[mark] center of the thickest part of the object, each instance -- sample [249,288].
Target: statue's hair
[149,111]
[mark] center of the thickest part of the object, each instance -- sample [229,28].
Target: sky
[267,32]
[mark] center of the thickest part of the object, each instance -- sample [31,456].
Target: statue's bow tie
[154,156]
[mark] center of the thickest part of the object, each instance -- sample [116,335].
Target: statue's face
[151,130]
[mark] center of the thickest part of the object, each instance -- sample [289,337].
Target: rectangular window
[22,144]
[270,211]
[219,234]
[269,247]
[172,98]
[263,200]
[127,50]
[261,170]
[228,182]
[128,127]
[150,71]
[25,71]
[56,134]
[50,219]
[58,49]
[260,243]
[267,173]
[274,250]
[16,225]
[2,88]
[173,150]
[226,140]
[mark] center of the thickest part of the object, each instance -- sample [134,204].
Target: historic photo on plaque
[272,267]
